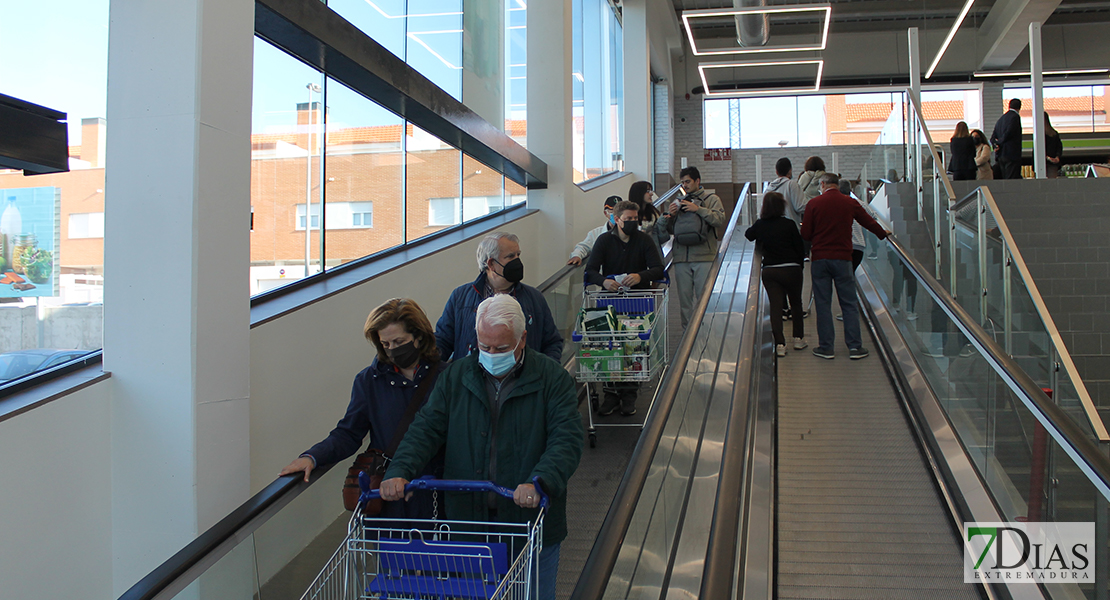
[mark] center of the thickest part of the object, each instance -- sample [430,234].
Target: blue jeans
[825,273]
[549,571]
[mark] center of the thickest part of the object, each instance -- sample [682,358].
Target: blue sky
[63,50]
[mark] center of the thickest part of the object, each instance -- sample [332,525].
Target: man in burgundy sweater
[828,227]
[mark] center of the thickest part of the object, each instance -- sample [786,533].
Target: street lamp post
[312,88]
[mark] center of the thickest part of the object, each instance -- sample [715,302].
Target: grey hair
[490,247]
[501,309]
[830,179]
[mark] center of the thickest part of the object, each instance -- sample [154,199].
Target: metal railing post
[1007,299]
[936,227]
[952,255]
[1102,535]
[981,235]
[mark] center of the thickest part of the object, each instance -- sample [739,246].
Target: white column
[1037,83]
[176,255]
[914,134]
[549,130]
[637,90]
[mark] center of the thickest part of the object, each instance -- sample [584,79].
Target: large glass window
[52,226]
[830,120]
[334,174]
[1072,109]
[598,89]
[364,177]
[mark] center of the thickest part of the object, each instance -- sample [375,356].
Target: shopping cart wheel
[593,439]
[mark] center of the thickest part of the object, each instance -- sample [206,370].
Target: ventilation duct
[752,29]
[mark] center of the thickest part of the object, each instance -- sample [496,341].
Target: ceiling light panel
[740,78]
[727,17]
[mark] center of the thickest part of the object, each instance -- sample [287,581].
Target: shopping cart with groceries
[621,337]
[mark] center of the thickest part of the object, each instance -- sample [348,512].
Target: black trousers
[780,283]
[1010,169]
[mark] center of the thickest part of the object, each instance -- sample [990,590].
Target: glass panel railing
[993,284]
[1031,456]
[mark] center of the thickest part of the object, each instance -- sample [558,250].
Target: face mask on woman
[500,363]
[405,355]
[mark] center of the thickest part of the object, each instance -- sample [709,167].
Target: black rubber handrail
[603,557]
[170,573]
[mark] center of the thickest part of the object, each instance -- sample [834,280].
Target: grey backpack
[690,229]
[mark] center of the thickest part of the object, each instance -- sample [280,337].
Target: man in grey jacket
[785,185]
[691,263]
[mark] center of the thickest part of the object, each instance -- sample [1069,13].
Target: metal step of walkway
[859,515]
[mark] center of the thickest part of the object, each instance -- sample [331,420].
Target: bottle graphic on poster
[11,225]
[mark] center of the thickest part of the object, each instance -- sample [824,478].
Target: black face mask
[405,355]
[512,271]
[630,227]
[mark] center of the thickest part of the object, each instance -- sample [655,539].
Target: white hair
[501,309]
[490,247]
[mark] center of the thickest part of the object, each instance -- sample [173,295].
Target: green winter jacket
[539,432]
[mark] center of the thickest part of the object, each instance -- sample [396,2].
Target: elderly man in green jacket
[507,414]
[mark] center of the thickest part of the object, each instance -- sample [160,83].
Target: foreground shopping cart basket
[433,559]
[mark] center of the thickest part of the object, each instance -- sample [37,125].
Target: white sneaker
[800,343]
[780,350]
[911,316]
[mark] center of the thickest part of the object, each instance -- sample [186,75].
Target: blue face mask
[612,219]
[500,363]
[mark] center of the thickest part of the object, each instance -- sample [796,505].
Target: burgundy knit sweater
[827,224]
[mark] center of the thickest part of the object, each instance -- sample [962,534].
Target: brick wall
[1060,227]
[664,135]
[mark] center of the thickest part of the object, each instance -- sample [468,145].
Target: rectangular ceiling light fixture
[1026,73]
[948,40]
[687,15]
[767,63]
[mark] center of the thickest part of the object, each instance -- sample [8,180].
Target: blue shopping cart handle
[430,483]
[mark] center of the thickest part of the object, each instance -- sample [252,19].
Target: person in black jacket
[406,355]
[624,258]
[1053,149]
[962,162]
[783,256]
[1006,141]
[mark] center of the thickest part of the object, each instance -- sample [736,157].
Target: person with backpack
[692,221]
[810,181]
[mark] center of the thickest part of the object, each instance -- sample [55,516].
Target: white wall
[55,532]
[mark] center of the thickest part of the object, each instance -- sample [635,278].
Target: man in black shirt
[624,258]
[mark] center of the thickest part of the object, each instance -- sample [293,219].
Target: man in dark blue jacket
[502,271]
[1006,141]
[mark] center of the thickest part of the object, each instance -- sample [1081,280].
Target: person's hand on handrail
[302,464]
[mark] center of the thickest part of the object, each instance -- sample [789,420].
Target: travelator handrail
[181,569]
[1067,433]
[603,556]
[983,194]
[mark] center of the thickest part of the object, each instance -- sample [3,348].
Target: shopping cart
[633,348]
[434,559]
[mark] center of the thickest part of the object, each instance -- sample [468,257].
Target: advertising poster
[28,232]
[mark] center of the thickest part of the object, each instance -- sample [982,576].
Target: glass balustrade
[1030,477]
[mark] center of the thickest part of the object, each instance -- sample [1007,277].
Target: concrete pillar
[549,131]
[1037,83]
[637,90]
[176,254]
